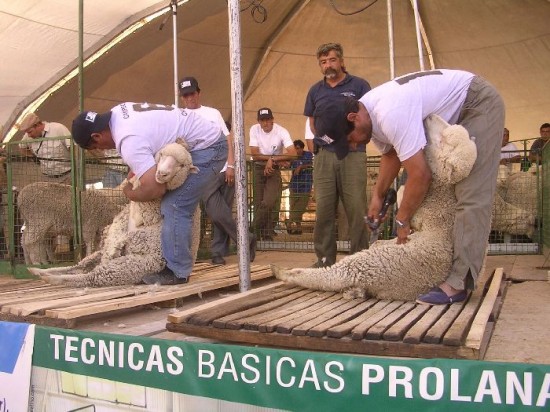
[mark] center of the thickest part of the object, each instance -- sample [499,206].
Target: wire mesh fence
[64,213]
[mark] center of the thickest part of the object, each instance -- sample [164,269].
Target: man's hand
[230,176]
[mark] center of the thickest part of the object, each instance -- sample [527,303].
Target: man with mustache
[336,176]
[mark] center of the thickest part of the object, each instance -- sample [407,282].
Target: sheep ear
[182,142]
[194,169]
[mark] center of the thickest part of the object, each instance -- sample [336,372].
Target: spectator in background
[54,155]
[537,146]
[509,153]
[336,177]
[219,192]
[300,186]
[268,142]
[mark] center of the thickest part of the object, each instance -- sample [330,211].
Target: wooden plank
[237,319]
[417,332]
[301,326]
[399,328]
[64,302]
[377,330]
[358,332]
[253,322]
[157,294]
[206,317]
[479,324]
[346,327]
[456,334]
[319,320]
[345,316]
[182,316]
[287,315]
[345,345]
[437,331]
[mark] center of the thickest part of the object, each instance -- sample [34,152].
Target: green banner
[295,380]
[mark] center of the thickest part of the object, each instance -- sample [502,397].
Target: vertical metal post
[390,39]
[174,5]
[418,35]
[77,155]
[237,129]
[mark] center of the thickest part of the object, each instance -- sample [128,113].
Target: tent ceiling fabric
[505,41]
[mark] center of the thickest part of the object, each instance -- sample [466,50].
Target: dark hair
[544,126]
[324,49]
[299,143]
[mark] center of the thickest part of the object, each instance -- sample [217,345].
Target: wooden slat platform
[285,316]
[37,302]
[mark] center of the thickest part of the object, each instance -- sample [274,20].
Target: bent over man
[138,131]
[392,116]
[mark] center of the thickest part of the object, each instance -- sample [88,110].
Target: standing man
[138,131]
[58,170]
[508,152]
[536,147]
[268,142]
[300,186]
[392,115]
[220,191]
[336,176]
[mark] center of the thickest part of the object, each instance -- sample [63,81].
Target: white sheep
[46,209]
[402,272]
[129,252]
[515,203]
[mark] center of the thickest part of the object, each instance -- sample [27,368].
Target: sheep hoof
[36,271]
[280,273]
[354,293]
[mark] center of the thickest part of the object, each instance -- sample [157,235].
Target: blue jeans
[179,205]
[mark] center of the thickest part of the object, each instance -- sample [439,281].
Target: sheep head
[451,152]
[174,163]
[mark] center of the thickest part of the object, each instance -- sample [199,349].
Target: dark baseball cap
[87,123]
[188,85]
[332,125]
[265,113]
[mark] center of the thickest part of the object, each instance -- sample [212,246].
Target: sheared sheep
[131,251]
[46,209]
[401,272]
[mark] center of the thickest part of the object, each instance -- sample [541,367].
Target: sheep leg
[332,279]
[117,272]
[85,265]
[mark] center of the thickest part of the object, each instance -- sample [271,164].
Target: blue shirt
[320,92]
[303,181]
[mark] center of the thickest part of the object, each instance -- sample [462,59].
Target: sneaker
[252,247]
[436,296]
[164,277]
[218,260]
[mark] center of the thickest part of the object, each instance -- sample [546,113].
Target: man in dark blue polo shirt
[336,176]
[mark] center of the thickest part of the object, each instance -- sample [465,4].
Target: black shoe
[252,247]
[320,264]
[164,277]
[218,260]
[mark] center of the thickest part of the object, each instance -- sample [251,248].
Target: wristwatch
[401,224]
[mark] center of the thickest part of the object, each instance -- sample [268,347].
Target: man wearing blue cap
[392,116]
[138,131]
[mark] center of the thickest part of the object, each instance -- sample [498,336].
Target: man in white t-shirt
[392,116]
[268,144]
[509,153]
[220,191]
[138,131]
[58,170]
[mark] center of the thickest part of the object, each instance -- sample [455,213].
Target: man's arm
[149,188]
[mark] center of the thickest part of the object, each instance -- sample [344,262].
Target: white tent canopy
[506,41]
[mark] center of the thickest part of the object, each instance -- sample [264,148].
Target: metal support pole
[174,5]
[418,35]
[237,129]
[390,39]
